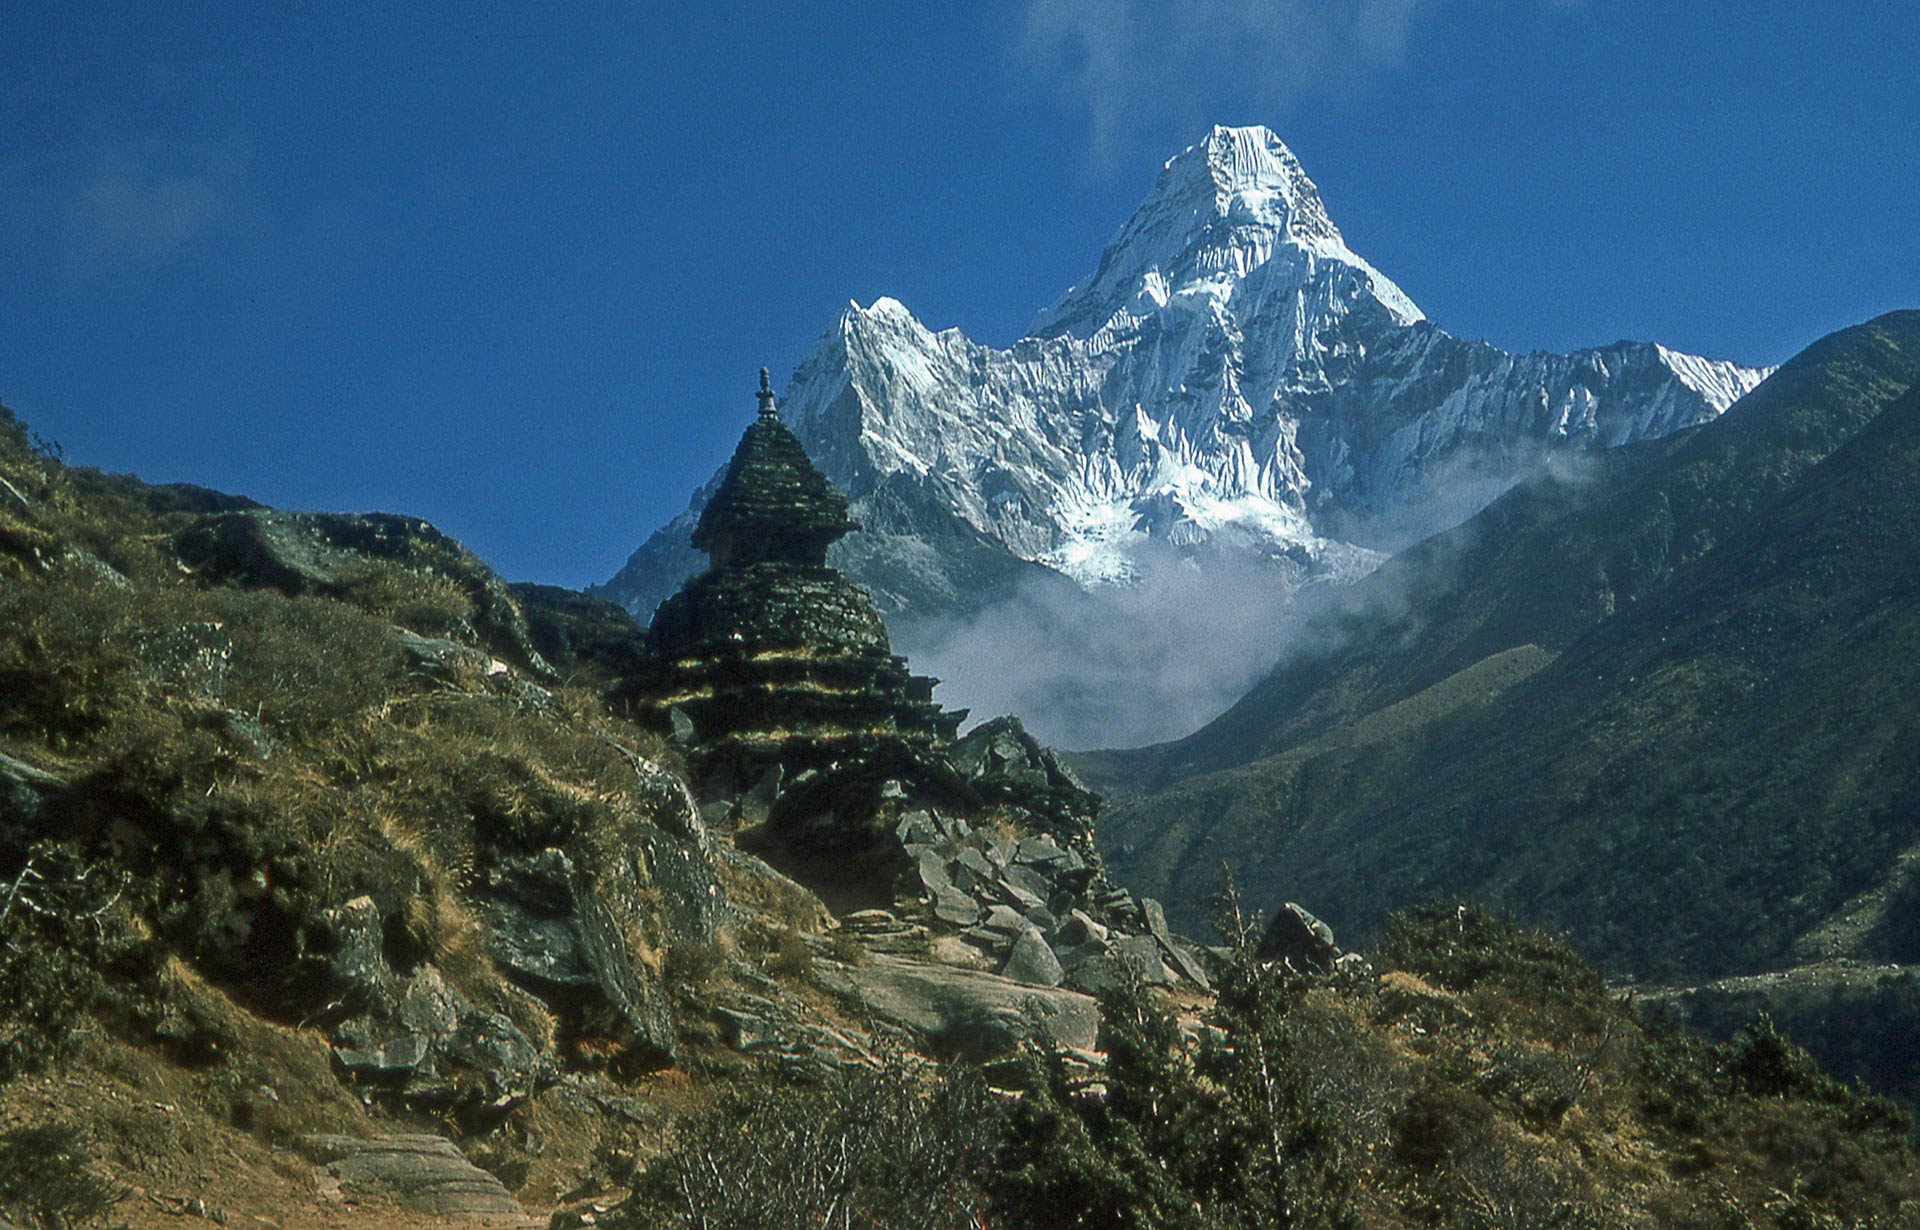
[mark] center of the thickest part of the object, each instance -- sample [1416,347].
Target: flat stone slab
[1185,958]
[976,865]
[1040,851]
[976,1013]
[1030,880]
[1005,919]
[420,1173]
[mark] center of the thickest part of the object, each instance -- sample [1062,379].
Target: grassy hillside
[258,800]
[1668,705]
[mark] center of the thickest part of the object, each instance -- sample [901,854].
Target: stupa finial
[766,394]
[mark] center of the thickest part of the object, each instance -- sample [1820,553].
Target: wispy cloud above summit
[1132,64]
[121,204]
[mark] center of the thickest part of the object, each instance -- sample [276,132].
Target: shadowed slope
[1667,704]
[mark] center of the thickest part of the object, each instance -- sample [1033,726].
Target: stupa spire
[766,394]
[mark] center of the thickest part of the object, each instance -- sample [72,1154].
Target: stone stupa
[773,658]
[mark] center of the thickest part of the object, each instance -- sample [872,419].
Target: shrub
[694,967]
[788,955]
[864,1148]
[59,938]
[45,1180]
[1463,947]
[1763,1062]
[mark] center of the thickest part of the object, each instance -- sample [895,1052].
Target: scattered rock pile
[415,1037]
[1029,906]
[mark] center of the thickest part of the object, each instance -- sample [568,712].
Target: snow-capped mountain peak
[1234,390]
[1233,209]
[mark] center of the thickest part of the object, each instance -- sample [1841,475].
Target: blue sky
[514,268]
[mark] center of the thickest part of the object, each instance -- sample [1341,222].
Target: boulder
[954,907]
[1074,954]
[1299,939]
[975,865]
[1081,928]
[1187,960]
[357,962]
[679,872]
[439,658]
[1031,961]
[1156,917]
[1006,920]
[1095,971]
[394,1060]
[1043,919]
[1076,877]
[1001,751]
[1019,898]
[1142,954]
[933,871]
[1029,881]
[1041,851]
[1095,968]
[758,802]
[918,828]
[671,806]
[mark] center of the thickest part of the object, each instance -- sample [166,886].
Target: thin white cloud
[1129,64]
[123,204]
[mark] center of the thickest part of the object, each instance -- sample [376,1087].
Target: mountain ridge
[1232,380]
[1684,668]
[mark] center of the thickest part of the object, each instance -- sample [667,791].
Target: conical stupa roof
[773,504]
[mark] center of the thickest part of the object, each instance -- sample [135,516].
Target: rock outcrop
[331,554]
